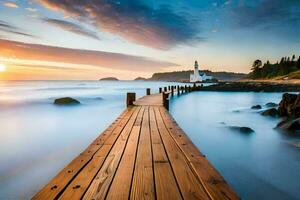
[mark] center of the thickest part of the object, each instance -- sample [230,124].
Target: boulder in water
[257,107]
[273,112]
[290,125]
[242,129]
[290,105]
[66,101]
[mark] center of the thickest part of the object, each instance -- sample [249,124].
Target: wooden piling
[172,90]
[148,91]
[130,98]
[165,89]
[160,90]
[165,97]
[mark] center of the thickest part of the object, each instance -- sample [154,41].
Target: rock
[289,106]
[271,104]
[66,101]
[109,79]
[273,112]
[242,129]
[256,107]
[290,125]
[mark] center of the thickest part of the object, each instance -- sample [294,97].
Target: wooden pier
[143,154]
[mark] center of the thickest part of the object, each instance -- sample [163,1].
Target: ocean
[37,138]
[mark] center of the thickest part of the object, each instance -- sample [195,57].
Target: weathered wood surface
[144,154]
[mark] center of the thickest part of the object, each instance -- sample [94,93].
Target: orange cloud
[113,61]
[11,4]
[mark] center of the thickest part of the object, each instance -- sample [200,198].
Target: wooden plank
[79,185]
[165,183]
[189,185]
[100,185]
[53,188]
[143,181]
[120,187]
[213,182]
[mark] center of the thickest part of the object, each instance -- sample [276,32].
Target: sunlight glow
[2,68]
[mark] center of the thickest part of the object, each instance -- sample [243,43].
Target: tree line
[268,70]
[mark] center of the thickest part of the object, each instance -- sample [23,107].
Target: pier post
[165,89]
[160,90]
[169,87]
[185,88]
[172,90]
[190,89]
[178,91]
[165,100]
[148,91]
[130,99]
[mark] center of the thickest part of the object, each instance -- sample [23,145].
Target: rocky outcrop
[256,107]
[66,101]
[290,105]
[273,112]
[251,87]
[242,129]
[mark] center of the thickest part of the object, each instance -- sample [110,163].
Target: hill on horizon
[185,75]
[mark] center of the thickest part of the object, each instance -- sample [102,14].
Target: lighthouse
[199,76]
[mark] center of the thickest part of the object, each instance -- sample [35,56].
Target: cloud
[160,27]
[69,26]
[8,28]
[268,13]
[31,9]
[11,4]
[114,61]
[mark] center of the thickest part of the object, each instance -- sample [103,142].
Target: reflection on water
[260,165]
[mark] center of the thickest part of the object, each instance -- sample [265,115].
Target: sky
[92,39]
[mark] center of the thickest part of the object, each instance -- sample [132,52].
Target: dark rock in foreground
[290,125]
[242,129]
[252,87]
[66,101]
[257,107]
[273,112]
[290,105]
[271,104]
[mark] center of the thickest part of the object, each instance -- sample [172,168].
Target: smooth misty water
[261,165]
[38,138]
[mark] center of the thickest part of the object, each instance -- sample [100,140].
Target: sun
[2,68]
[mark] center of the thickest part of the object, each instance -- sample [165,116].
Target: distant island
[140,79]
[184,76]
[109,79]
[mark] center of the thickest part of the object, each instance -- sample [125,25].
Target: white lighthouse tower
[199,76]
[196,76]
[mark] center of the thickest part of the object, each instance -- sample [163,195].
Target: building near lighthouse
[198,76]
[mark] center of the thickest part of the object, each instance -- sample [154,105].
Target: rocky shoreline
[251,87]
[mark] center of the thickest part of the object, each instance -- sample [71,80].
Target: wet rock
[242,129]
[273,112]
[289,106]
[66,101]
[257,107]
[290,125]
[271,105]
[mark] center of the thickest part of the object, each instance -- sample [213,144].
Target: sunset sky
[91,39]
